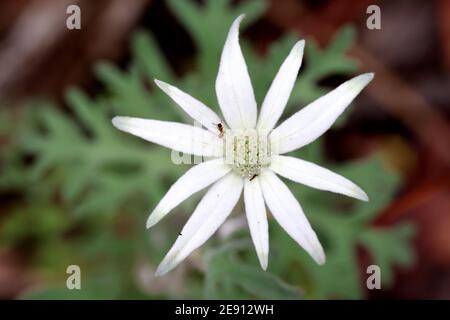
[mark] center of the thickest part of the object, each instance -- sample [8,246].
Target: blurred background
[75,191]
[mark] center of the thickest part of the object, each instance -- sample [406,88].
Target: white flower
[247,154]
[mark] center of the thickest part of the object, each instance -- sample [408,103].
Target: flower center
[247,151]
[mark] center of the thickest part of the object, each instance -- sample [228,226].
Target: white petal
[257,219]
[287,211]
[194,108]
[312,121]
[280,90]
[195,179]
[177,136]
[210,213]
[315,176]
[233,86]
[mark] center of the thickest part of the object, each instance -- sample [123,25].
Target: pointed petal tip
[360,194]
[298,48]
[320,257]
[151,221]
[159,272]
[263,260]
[321,261]
[240,17]
[367,77]
[264,265]
[164,267]
[318,254]
[364,197]
[114,120]
[300,45]
[160,83]
[118,121]
[360,82]
[236,23]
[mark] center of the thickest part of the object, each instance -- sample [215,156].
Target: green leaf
[226,276]
[389,247]
[150,58]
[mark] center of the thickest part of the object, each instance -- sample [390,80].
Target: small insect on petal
[221,129]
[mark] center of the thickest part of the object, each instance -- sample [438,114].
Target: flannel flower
[246,154]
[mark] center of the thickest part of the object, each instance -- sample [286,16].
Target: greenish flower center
[247,151]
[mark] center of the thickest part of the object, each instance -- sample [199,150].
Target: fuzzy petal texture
[177,136]
[255,211]
[233,86]
[315,176]
[210,213]
[194,108]
[280,90]
[312,121]
[287,211]
[194,180]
